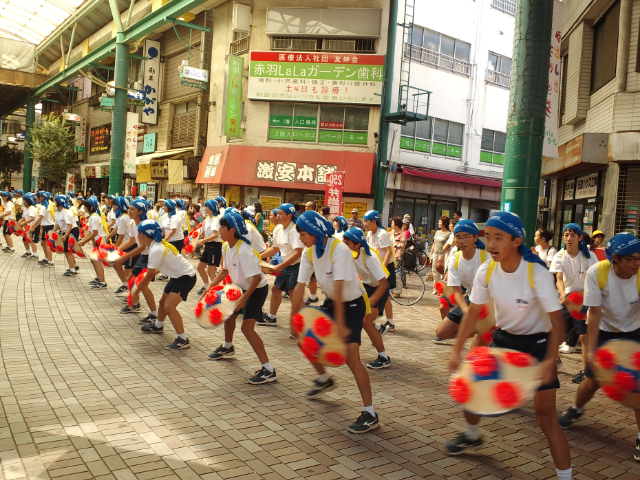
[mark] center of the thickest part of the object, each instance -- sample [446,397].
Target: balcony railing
[506,6]
[240,46]
[437,59]
[498,78]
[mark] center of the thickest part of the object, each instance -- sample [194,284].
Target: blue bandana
[343,225]
[170,207]
[622,244]
[121,206]
[315,224]
[142,207]
[151,229]
[213,206]
[45,198]
[180,204]
[373,215]
[275,211]
[356,235]
[510,223]
[582,245]
[288,208]
[220,200]
[235,220]
[92,203]
[468,226]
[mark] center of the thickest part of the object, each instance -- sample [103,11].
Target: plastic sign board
[151,81]
[233,110]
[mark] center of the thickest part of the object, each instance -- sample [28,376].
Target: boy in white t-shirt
[67,227]
[45,212]
[32,237]
[122,229]
[286,240]
[612,293]
[210,240]
[165,258]
[172,229]
[241,262]
[374,278]
[462,269]
[528,319]
[97,232]
[8,220]
[336,273]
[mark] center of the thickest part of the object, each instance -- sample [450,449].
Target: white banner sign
[151,81]
[587,186]
[131,143]
[550,145]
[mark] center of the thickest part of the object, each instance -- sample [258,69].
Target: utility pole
[525,128]
[119,113]
[27,170]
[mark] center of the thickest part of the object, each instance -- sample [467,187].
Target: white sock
[182,336]
[227,344]
[370,410]
[383,354]
[472,432]
[323,378]
[564,474]
[160,324]
[268,366]
[154,313]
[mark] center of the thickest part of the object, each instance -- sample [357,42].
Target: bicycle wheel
[409,288]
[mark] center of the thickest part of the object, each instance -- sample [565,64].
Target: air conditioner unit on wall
[241,18]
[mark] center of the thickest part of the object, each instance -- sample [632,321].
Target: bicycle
[410,285]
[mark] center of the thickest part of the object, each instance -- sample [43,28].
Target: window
[605,48]
[319,44]
[434,136]
[440,51]
[506,6]
[563,87]
[184,124]
[313,123]
[499,70]
[492,147]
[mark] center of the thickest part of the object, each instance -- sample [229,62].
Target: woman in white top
[438,251]
[210,239]
[31,238]
[528,319]
[542,238]
[8,217]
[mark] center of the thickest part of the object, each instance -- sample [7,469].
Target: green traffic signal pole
[119,116]
[380,173]
[27,169]
[525,127]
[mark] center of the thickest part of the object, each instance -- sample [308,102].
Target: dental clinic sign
[316,77]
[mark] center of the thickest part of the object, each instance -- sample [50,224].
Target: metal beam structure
[27,170]
[192,26]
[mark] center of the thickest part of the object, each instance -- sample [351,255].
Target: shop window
[434,136]
[440,51]
[313,123]
[628,207]
[499,70]
[605,48]
[184,124]
[492,147]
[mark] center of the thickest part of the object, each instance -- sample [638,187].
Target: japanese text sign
[100,139]
[233,116]
[316,77]
[333,192]
[151,81]
[293,172]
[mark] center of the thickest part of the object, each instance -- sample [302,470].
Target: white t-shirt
[29,213]
[153,214]
[518,309]
[175,224]
[255,237]
[211,225]
[139,238]
[163,221]
[111,216]
[47,219]
[380,240]
[10,208]
[287,240]
[174,266]
[182,215]
[370,268]
[340,235]
[464,275]
[64,219]
[619,301]
[40,212]
[546,255]
[95,225]
[329,268]
[122,224]
[241,261]
[573,269]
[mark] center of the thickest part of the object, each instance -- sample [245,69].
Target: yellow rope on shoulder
[169,247]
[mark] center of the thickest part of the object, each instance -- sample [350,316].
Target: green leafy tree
[53,147]
[10,163]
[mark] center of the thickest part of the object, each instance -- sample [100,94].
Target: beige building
[595,181]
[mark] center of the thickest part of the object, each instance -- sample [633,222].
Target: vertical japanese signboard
[151,81]
[550,143]
[333,192]
[233,117]
[131,143]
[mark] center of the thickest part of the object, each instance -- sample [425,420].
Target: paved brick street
[85,395]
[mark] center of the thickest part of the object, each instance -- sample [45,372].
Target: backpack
[602,275]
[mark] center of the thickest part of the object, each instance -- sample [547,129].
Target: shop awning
[282,167]
[452,177]
[145,159]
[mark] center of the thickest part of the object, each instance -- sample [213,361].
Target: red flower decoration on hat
[217,288]
[518,359]
[211,297]
[198,310]
[484,365]
[444,303]
[227,280]
[334,358]
[625,381]
[605,358]
[439,287]
[322,326]
[233,294]
[188,248]
[478,351]
[507,394]
[459,390]
[297,322]
[310,347]
[613,392]
[215,316]
[576,298]
[54,235]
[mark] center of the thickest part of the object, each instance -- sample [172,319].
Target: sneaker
[130,309]
[95,280]
[121,289]
[263,376]
[10,250]
[151,318]
[202,290]
[569,416]
[98,285]
[578,377]
[49,264]
[387,327]
[152,328]
[268,320]
[43,261]
[179,344]
[310,300]
[564,348]
[379,363]
[321,387]
[68,273]
[636,451]
[459,444]
[5,249]
[364,423]
[221,352]
[25,255]
[441,341]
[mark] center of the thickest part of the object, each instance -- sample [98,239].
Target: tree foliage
[10,162]
[53,147]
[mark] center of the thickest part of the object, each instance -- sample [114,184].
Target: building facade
[461,52]
[595,181]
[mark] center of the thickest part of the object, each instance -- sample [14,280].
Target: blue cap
[151,229]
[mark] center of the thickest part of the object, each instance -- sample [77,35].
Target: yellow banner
[176,172]
[143,173]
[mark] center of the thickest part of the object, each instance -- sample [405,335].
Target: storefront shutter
[184,129]
[628,205]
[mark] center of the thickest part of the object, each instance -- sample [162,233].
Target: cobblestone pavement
[85,395]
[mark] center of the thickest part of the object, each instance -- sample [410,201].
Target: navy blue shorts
[354,312]
[288,279]
[181,285]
